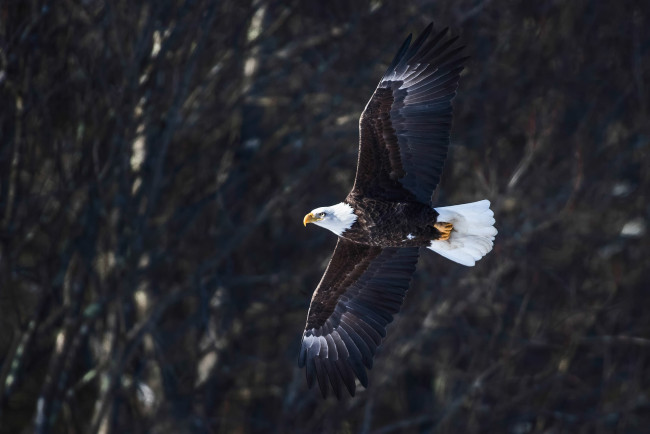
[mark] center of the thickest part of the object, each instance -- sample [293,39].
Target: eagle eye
[321,214]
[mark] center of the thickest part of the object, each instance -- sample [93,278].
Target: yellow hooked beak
[310,218]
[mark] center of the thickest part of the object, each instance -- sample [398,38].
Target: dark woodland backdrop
[157,158]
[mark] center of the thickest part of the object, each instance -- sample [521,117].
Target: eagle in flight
[388,216]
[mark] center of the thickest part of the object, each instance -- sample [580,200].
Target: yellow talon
[445,230]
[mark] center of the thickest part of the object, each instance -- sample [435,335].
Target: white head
[337,218]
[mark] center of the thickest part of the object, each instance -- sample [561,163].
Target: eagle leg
[445,230]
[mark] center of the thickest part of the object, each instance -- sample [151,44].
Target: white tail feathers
[473,233]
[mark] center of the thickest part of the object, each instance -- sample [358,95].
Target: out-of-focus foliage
[157,157]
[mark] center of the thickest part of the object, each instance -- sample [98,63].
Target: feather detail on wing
[404,129]
[361,290]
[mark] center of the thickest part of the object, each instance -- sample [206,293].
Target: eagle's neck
[345,218]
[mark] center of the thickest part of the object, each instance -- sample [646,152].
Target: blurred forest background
[157,158]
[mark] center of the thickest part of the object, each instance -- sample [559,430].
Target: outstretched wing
[404,129]
[361,290]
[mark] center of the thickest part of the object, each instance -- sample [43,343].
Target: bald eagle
[388,215]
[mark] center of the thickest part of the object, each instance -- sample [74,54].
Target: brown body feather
[391,224]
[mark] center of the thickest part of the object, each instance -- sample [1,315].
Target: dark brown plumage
[404,129]
[404,137]
[361,290]
[398,218]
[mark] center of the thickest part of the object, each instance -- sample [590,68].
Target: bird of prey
[388,215]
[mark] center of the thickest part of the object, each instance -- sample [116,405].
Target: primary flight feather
[388,216]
